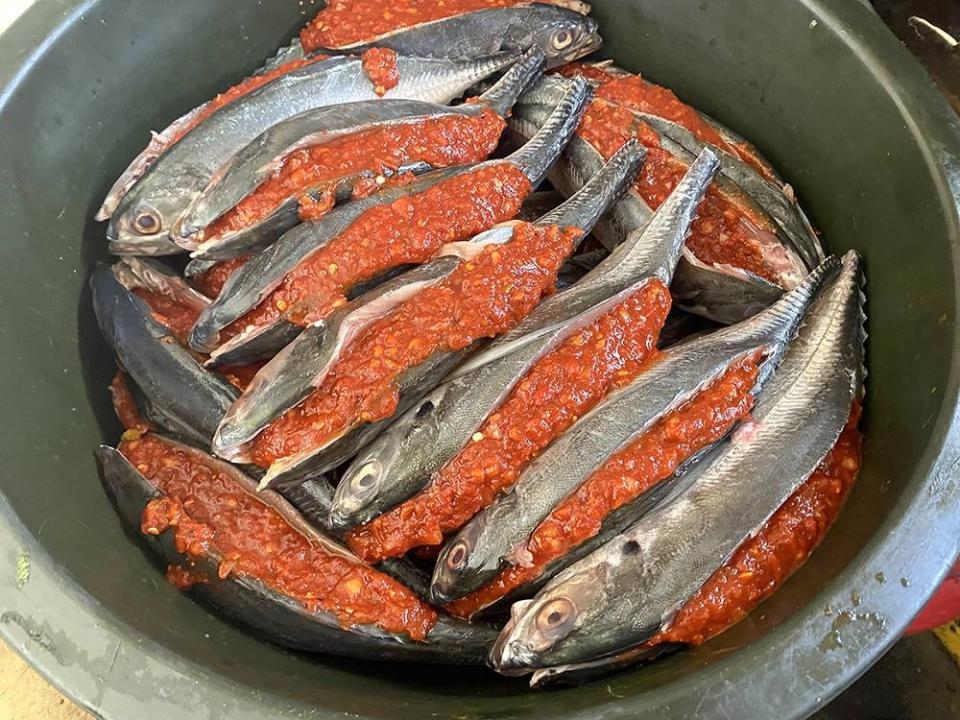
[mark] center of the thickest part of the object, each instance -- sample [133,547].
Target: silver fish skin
[497,536]
[149,214]
[801,249]
[266,154]
[630,588]
[191,399]
[563,35]
[304,368]
[160,141]
[402,460]
[253,282]
[721,293]
[281,618]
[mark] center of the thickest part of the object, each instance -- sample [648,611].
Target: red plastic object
[943,607]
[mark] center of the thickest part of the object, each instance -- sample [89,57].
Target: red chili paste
[175,316]
[645,462]
[348,22]
[125,406]
[559,388]
[311,208]
[211,282]
[724,232]
[633,92]
[763,563]
[380,65]
[409,230]
[240,375]
[483,297]
[212,516]
[179,319]
[439,142]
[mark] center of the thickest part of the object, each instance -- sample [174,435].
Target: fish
[303,366]
[183,396]
[250,286]
[361,122]
[627,590]
[720,291]
[284,60]
[563,34]
[148,217]
[404,458]
[268,609]
[496,538]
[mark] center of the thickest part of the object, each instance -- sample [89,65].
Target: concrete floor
[916,680]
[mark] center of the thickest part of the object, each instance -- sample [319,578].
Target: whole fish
[455,142]
[190,399]
[497,537]
[403,459]
[254,284]
[629,589]
[720,290]
[258,600]
[148,217]
[635,92]
[562,34]
[305,366]
[285,60]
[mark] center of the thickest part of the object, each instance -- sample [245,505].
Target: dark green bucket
[821,87]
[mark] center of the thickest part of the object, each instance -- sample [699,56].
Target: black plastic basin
[821,87]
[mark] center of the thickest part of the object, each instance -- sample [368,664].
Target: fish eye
[147,222]
[457,559]
[561,39]
[555,619]
[368,478]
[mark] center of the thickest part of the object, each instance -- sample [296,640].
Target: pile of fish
[392,396]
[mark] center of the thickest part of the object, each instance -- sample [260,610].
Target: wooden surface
[24,695]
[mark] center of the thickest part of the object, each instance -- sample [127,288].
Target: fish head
[564,36]
[466,562]
[144,224]
[542,631]
[360,486]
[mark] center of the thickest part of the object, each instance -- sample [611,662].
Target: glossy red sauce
[633,92]
[349,22]
[177,317]
[559,388]
[409,230]
[311,207]
[644,463]
[211,282]
[764,562]
[380,65]
[214,518]
[125,406]
[439,142]
[724,232]
[483,297]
